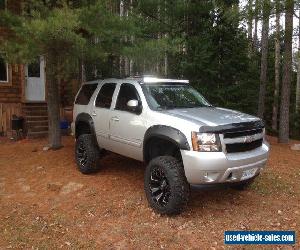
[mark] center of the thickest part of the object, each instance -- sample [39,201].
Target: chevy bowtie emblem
[249,138]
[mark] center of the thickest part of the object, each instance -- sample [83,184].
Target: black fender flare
[167,133]
[86,118]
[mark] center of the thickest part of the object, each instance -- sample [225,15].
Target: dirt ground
[46,203]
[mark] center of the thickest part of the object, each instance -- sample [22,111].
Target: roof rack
[139,76]
[155,79]
[151,79]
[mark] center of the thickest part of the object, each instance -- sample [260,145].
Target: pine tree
[298,73]
[256,18]
[65,34]
[277,67]
[264,58]
[250,25]
[50,32]
[287,74]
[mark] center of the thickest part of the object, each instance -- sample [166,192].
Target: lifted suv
[166,123]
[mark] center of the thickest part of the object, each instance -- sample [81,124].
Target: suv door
[101,113]
[126,126]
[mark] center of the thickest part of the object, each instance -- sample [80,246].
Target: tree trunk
[250,26]
[264,58]
[298,86]
[287,73]
[53,103]
[277,68]
[131,62]
[157,69]
[166,64]
[131,73]
[126,66]
[250,19]
[298,75]
[121,59]
[255,39]
[166,36]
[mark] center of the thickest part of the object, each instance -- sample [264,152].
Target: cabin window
[3,71]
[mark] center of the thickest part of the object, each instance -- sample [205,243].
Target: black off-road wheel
[166,187]
[87,154]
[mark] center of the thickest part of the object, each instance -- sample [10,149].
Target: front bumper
[218,167]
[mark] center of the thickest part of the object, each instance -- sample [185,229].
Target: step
[31,118]
[35,108]
[37,129]
[34,135]
[34,104]
[35,113]
[37,123]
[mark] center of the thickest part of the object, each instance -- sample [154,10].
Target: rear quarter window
[85,94]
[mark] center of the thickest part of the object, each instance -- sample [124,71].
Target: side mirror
[134,106]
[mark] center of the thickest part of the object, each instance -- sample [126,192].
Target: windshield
[171,95]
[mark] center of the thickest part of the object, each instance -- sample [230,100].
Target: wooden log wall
[7,110]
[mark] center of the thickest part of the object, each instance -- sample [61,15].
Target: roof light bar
[148,79]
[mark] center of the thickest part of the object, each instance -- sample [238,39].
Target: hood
[211,116]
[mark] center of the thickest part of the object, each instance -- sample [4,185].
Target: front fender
[167,133]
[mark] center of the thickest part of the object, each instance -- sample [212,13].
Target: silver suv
[184,140]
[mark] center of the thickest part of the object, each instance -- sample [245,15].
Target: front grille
[242,133]
[243,147]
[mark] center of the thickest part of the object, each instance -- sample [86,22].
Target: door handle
[94,113]
[116,119]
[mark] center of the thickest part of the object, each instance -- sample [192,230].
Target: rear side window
[105,95]
[85,94]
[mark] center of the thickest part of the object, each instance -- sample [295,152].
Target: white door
[35,80]
[101,114]
[127,128]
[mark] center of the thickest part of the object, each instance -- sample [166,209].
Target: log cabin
[23,89]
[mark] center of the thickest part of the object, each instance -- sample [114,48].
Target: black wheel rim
[159,187]
[81,154]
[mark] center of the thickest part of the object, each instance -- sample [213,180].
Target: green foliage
[204,41]
[216,60]
[53,33]
[64,32]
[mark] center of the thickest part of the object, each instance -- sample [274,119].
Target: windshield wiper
[183,107]
[196,106]
[165,107]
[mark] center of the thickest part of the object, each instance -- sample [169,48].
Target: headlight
[206,142]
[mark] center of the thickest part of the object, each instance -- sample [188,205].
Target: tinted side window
[105,95]
[127,92]
[85,94]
